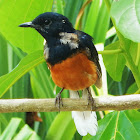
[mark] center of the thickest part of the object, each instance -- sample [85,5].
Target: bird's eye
[48,22]
[63,21]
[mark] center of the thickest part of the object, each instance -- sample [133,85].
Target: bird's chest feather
[74,73]
[69,64]
[59,49]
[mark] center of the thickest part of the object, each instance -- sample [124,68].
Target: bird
[73,62]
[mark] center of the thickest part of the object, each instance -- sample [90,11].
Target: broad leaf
[26,64]
[122,125]
[13,13]
[26,133]
[132,89]
[17,129]
[41,81]
[3,56]
[102,24]
[120,88]
[59,6]
[3,119]
[11,129]
[8,61]
[43,87]
[92,17]
[62,127]
[114,63]
[126,14]
[135,53]
[72,8]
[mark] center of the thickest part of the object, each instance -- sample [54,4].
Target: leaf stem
[138,55]
[111,51]
[124,46]
[133,68]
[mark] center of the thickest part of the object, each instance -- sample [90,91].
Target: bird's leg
[58,99]
[91,99]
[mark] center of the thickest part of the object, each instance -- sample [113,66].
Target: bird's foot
[58,100]
[91,100]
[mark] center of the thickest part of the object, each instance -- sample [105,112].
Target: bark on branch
[48,105]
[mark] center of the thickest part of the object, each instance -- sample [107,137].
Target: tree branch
[124,102]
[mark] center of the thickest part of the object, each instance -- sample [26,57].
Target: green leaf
[25,134]
[26,64]
[62,127]
[43,87]
[13,13]
[135,53]
[123,125]
[3,120]
[34,136]
[59,6]
[92,17]
[16,130]
[111,32]
[3,56]
[132,89]
[72,8]
[42,82]
[126,14]
[102,24]
[114,63]
[8,61]
[138,57]
[11,129]
[120,88]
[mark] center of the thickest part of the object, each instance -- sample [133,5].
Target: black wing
[85,41]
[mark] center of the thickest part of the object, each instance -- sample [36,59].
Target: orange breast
[74,73]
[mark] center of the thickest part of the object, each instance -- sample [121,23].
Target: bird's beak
[27,24]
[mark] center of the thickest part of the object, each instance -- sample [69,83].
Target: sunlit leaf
[26,64]
[3,56]
[102,24]
[65,124]
[114,63]
[25,133]
[72,8]
[92,17]
[13,13]
[132,89]
[126,14]
[123,125]
[59,6]
[17,129]
[11,129]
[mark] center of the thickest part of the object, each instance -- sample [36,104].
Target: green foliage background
[24,73]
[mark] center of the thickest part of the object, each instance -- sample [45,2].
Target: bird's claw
[58,100]
[91,100]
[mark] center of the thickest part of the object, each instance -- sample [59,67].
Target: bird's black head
[50,24]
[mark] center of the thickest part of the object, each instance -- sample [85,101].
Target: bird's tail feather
[85,121]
